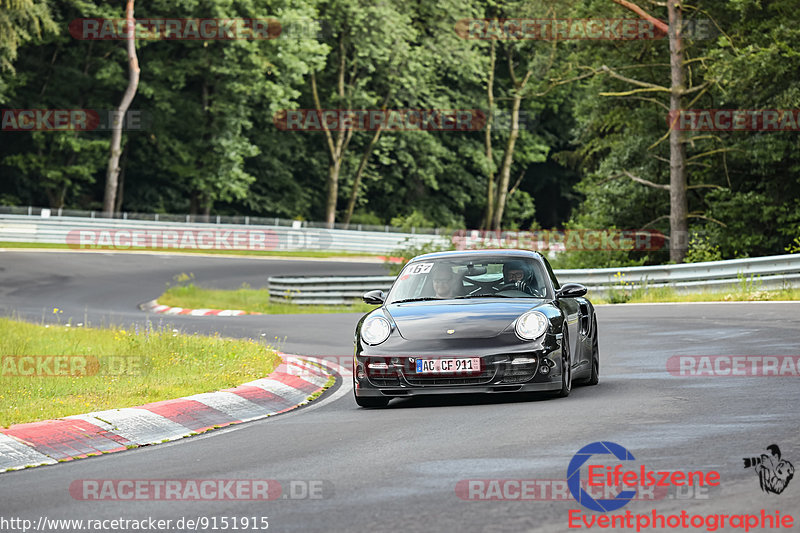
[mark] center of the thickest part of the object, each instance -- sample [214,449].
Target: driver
[520,274]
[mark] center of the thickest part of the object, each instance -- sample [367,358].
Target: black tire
[594,379]
[566,367]
[372,401]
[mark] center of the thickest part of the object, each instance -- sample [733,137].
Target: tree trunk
[112,172]
[489,214]
[121,187]
[338,147]
[351,204]
[333,190]
[678,203]
[508,156]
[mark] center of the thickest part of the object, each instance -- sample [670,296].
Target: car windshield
[469,277]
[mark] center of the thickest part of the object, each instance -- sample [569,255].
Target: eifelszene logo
[574,476]
[599,475]
[774,473]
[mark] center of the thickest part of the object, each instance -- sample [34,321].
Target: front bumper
[396,375]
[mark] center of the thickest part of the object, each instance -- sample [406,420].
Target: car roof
[507,252]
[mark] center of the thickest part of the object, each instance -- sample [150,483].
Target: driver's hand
[523,286]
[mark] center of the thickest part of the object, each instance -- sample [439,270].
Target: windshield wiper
[426,299]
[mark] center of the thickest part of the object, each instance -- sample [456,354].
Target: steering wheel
[521,286]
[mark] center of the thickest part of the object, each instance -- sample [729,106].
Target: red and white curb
[154,307]
[291,385]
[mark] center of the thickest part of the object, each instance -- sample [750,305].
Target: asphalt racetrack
[405,468]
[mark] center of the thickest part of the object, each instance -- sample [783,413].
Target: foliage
[210,143]
[701,250]
[409,250]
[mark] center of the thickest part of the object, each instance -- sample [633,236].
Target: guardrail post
[92,214]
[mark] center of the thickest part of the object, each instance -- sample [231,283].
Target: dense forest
[573,110]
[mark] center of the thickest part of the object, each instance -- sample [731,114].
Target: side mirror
[375,297]
[571,290]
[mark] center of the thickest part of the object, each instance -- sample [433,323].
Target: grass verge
[129,367]
[266,253]
[668,294]
[190,296]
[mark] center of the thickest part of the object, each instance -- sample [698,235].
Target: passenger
[445,283]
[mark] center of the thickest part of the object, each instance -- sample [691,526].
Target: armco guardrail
[325,290]
[120,234]
[208,219]
[769,273]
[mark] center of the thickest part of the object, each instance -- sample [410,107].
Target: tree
[112,173]
[21,21]
[369,62]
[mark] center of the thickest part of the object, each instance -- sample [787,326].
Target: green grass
[266,253]
[160,365]
[190,296]
[668,294]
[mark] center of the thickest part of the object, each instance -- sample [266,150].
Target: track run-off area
[466,463]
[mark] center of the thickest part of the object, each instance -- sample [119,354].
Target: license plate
[448,366]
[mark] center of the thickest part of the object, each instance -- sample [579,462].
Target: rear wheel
[372,401]
[594,379]
[566,367]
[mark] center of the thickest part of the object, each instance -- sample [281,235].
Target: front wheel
[566,368]
[594,379]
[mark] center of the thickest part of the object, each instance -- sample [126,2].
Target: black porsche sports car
[475,321]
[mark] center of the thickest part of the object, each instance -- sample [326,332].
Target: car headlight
[375,330]
[532,325]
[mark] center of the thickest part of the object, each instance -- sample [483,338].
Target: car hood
[470,319]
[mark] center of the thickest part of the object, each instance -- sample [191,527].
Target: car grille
[385,381]
[518,373]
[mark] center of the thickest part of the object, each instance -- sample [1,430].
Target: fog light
[378,366]
[544,370]
[395,360]
[360,372]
